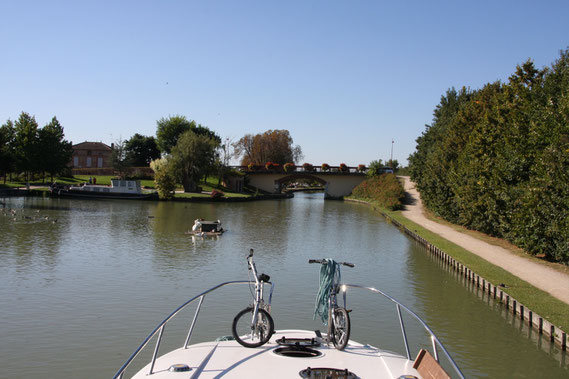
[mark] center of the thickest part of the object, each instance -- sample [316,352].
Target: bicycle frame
[332,304]
[332,296]
[258,298]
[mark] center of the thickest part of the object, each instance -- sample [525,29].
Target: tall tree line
[497,159]
[25,148]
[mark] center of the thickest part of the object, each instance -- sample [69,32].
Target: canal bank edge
[539,323]
[17,192]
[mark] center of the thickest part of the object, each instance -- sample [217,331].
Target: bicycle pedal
[348,310]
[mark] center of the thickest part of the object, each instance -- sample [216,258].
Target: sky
[350,80]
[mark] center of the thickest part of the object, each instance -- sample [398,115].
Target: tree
[118,157]
[226,152]
[497,159]
[26,145]
[7,153]
[141,150]
[272,146]
[164,177]
[375,168]
[170,129]
[393,164]
[193,156]
[54,150]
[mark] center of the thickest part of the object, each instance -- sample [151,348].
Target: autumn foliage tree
[271,146]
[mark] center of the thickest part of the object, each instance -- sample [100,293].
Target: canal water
[84,282]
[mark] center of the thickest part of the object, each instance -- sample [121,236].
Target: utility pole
[391,160]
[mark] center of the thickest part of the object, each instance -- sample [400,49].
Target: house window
[76,161]
[99,162]
[88,161]
[89,152]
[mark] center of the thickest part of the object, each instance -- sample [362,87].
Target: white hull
[228,359]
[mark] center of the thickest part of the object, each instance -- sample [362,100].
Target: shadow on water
[490,327]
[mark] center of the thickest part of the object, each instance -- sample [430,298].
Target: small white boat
[286,353]
[119,189]
[203,228]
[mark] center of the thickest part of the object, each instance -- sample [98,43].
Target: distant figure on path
[90,180]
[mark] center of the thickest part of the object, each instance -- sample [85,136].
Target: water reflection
[108,271]
[484,324]
[30,236]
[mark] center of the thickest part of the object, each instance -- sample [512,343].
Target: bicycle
[254,326]
[337,318]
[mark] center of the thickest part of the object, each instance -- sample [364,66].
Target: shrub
[343,167]
[384,189]
[325,167]
[289,167]
[164,178]
[307,167]
[272,166]
[215,194]
[361,167]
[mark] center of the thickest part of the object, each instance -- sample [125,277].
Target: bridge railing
[301,169]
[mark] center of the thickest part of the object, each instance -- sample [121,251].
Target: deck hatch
[297,352]
[326,372]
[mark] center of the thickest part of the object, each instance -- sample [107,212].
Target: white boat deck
[228,359]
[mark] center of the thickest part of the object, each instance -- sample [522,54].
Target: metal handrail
[435,341]
[160,327]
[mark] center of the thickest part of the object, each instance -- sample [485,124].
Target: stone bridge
[337,182]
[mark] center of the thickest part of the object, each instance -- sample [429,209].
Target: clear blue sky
[344,77]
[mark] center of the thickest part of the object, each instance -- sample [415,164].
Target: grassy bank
[207,186]
[552,309]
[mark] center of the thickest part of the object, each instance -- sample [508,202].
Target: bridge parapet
[359,170]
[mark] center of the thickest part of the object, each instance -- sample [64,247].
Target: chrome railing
[398,306]
[160,328]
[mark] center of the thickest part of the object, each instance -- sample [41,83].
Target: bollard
[514,307]
[530,319]
[540,325]
[522,313]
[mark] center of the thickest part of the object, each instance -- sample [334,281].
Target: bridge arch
[300,175]
[336,184]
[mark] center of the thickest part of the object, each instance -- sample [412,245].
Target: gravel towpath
[549,280]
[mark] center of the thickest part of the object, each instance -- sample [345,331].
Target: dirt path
[554,282]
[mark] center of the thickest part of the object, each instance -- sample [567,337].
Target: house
[91,155]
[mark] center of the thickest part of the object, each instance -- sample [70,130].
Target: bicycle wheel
[257,335]
[340,328]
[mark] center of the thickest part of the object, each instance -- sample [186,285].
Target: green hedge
[497,159]
[385,189]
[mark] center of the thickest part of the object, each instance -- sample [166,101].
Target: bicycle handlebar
[322,261]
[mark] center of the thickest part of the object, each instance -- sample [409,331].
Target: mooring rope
[329,274]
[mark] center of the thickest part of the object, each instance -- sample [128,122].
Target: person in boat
[218,227]
[197,225]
